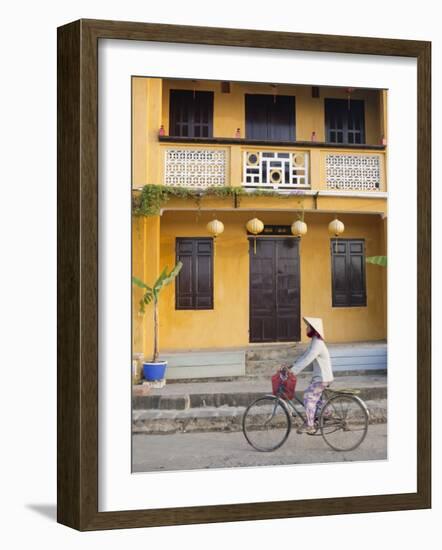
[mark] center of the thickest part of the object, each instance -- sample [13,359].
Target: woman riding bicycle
[317,353]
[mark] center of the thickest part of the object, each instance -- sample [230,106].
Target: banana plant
[377,260]
[152,294]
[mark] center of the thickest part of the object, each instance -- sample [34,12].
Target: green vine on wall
[151,198]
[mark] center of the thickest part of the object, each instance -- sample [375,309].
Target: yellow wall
[146,120]
[138,270]
[145,266]
[384,241]
[228,323]
[343,324]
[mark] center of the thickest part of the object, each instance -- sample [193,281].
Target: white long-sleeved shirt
[317,353]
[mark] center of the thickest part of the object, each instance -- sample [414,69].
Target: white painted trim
[306,210]
[306,191]
[357,195]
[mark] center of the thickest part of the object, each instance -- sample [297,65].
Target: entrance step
[258,360]
[363,357]
[204,364]
[274,352]
[265,360]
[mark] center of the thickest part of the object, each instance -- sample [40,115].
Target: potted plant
[155,369]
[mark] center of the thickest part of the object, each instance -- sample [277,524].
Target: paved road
[191,451]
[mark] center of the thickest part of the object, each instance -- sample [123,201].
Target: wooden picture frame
[77,387]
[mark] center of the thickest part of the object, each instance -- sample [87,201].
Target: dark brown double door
[274,290]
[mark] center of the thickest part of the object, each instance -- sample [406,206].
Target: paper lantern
[255,226]
[299,228]
[336,227]
[215,228]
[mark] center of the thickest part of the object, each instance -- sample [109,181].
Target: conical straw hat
[316,323]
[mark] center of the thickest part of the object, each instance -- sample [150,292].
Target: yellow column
[154,105]
[236,162]
[384,252]
[145,266]
[139,123]
[316,172]
[383,173]
[138,230]
[137,271]
[383,112]
[146,119]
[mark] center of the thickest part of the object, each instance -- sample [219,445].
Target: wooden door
[274,290]
[269,117]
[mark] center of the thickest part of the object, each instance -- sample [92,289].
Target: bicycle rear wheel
[344,422]
[266,423]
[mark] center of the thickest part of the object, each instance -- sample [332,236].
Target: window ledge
[268,143]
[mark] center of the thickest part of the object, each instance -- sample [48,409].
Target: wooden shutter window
[191,113]
[344,121]
[194,286]
[270,117]
[348,273]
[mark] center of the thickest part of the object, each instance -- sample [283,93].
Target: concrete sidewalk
[186,395]
[219,405]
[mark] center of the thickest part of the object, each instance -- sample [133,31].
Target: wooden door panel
[270,117]
[282,119]
[274,290]
[263,329]
[286,329]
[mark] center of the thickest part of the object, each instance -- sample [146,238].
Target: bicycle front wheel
[344,422]
[266,423]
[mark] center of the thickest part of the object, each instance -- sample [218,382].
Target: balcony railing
[350,172]
[317,167]
[276,169]
[197,168]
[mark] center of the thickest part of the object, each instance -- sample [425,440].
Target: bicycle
[342,420]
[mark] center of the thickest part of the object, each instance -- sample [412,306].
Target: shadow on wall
[46,510]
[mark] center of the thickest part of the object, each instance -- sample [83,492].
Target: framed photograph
[243,275]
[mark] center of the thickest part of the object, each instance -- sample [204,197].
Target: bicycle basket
[284,383]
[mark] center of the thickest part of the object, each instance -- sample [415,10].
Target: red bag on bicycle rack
[284,383]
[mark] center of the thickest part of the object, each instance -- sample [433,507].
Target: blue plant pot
[154,371]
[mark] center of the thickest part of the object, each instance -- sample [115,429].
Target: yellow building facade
[293,153]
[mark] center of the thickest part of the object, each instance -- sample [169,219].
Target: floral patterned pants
[313,399]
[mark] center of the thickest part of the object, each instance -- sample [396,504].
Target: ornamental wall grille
[353,172]
[196,168]
[276,169]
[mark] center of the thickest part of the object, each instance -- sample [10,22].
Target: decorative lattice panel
[353,172]
[195,167]
[275,170]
